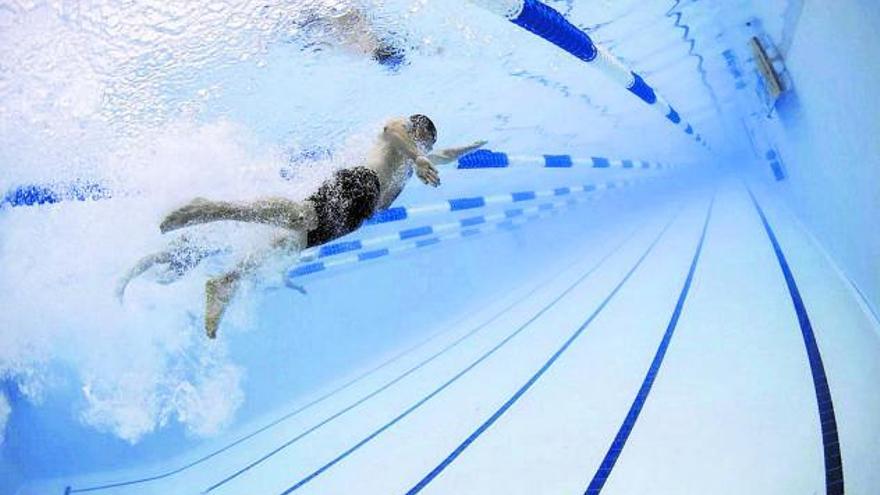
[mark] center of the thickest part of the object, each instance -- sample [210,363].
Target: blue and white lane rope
[483,224]
[344,247]
[348,246]
[546,22]
[496,159]
[81,190]
[30,195]
[399,213]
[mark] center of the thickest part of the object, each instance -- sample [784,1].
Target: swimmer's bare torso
[393,158]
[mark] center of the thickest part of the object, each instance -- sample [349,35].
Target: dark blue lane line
[522,390]
[635,409]
[408,372]
[466,370]
[827,419]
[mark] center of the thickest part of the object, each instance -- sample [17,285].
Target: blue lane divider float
[400,213]
[464,228]
[616,447]
[545,22]
[350,246]
[437,391]
[775,164]
[428,478]
[827,418]
[483,159]
[33,195]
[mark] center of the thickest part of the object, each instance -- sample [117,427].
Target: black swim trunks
[343,202]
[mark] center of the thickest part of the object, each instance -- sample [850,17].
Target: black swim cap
[423,124]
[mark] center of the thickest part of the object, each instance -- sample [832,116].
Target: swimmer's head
[423,130]
[389,55]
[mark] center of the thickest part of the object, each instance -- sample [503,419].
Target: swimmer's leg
[219,291]
[279,212]
[218,294]
[143,265]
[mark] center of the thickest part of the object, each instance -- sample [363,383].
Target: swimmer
[338,207]
[353,31]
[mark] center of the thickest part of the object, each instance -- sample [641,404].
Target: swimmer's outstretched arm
[143,265]
[396,134]
[443,157]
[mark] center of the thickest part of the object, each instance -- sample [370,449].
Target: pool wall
[826,132]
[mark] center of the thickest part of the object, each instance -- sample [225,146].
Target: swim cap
[423,123]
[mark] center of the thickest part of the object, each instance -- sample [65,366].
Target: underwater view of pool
[451,247]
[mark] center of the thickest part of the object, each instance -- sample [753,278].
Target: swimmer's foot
[218,294]
[195,212]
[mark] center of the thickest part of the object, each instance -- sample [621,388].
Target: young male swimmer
[338,207]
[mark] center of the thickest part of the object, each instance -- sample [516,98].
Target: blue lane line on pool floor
[463,372]
[635,409]
[401,377]
[827,419]
[525,388]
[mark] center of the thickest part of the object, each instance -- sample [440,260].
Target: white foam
[144,363]
[80,99]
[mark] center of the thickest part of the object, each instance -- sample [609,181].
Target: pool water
[601,299]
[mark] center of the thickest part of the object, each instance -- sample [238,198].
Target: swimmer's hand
[426,172]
